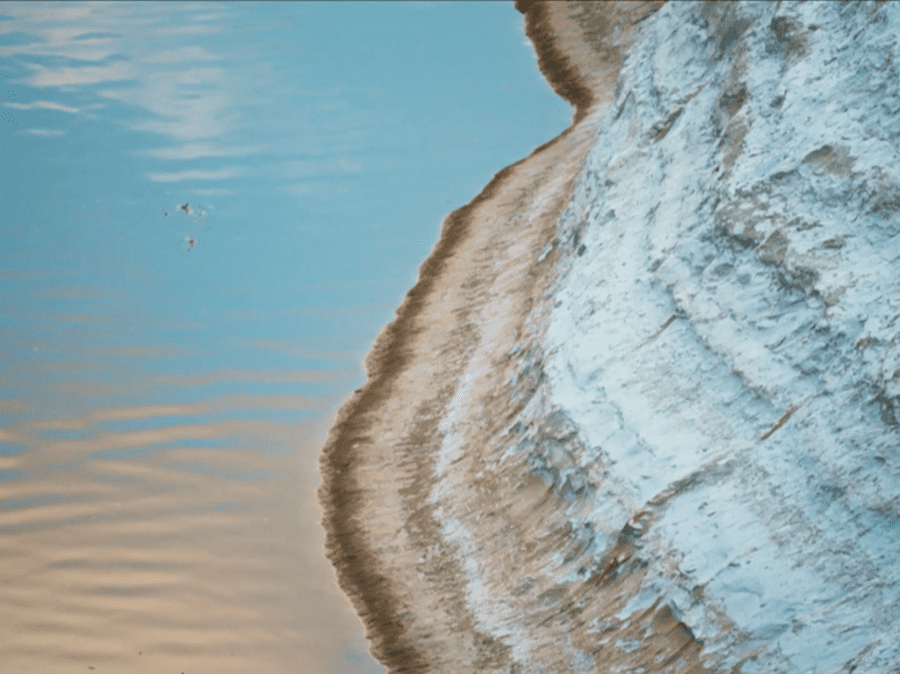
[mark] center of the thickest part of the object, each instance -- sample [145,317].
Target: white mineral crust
[725,329]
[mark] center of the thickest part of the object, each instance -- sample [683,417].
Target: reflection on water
[207,212]
[175,547]
[161,536]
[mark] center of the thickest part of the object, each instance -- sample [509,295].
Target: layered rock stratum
[641,412]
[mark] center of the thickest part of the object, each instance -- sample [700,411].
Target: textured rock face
[726,337]
[642,411]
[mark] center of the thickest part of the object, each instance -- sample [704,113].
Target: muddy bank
[423,518]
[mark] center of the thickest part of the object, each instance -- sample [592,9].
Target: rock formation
[641,412]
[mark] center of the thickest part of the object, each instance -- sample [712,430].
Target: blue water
[207,213]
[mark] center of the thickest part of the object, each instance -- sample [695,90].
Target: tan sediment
[446,548]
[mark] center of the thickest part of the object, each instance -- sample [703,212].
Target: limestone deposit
[641,412]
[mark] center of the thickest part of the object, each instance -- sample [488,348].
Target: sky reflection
[207,213]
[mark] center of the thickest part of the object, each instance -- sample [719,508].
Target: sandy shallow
[431,525]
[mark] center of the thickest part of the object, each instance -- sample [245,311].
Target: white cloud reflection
[202,149]
[46,105]
[188,54]
[43,132]
[135,54]
[78,76]
[196,174]
[174,66]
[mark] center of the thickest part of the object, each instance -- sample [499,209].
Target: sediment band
[426,522]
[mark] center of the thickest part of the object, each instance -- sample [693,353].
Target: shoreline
[388,505]
[638,413]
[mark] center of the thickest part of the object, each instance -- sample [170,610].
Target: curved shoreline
[618,422]
[379,463]
[369,592]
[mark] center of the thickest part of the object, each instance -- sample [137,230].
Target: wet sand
[446,546]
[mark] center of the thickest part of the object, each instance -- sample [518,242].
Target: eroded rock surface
[641,413]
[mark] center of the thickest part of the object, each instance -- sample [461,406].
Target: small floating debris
[197,211]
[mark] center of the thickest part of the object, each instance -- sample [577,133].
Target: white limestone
[739,271]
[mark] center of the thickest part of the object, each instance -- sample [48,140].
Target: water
[207,213]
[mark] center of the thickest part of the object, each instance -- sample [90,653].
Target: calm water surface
[207,213]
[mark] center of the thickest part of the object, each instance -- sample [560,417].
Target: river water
[207,213]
